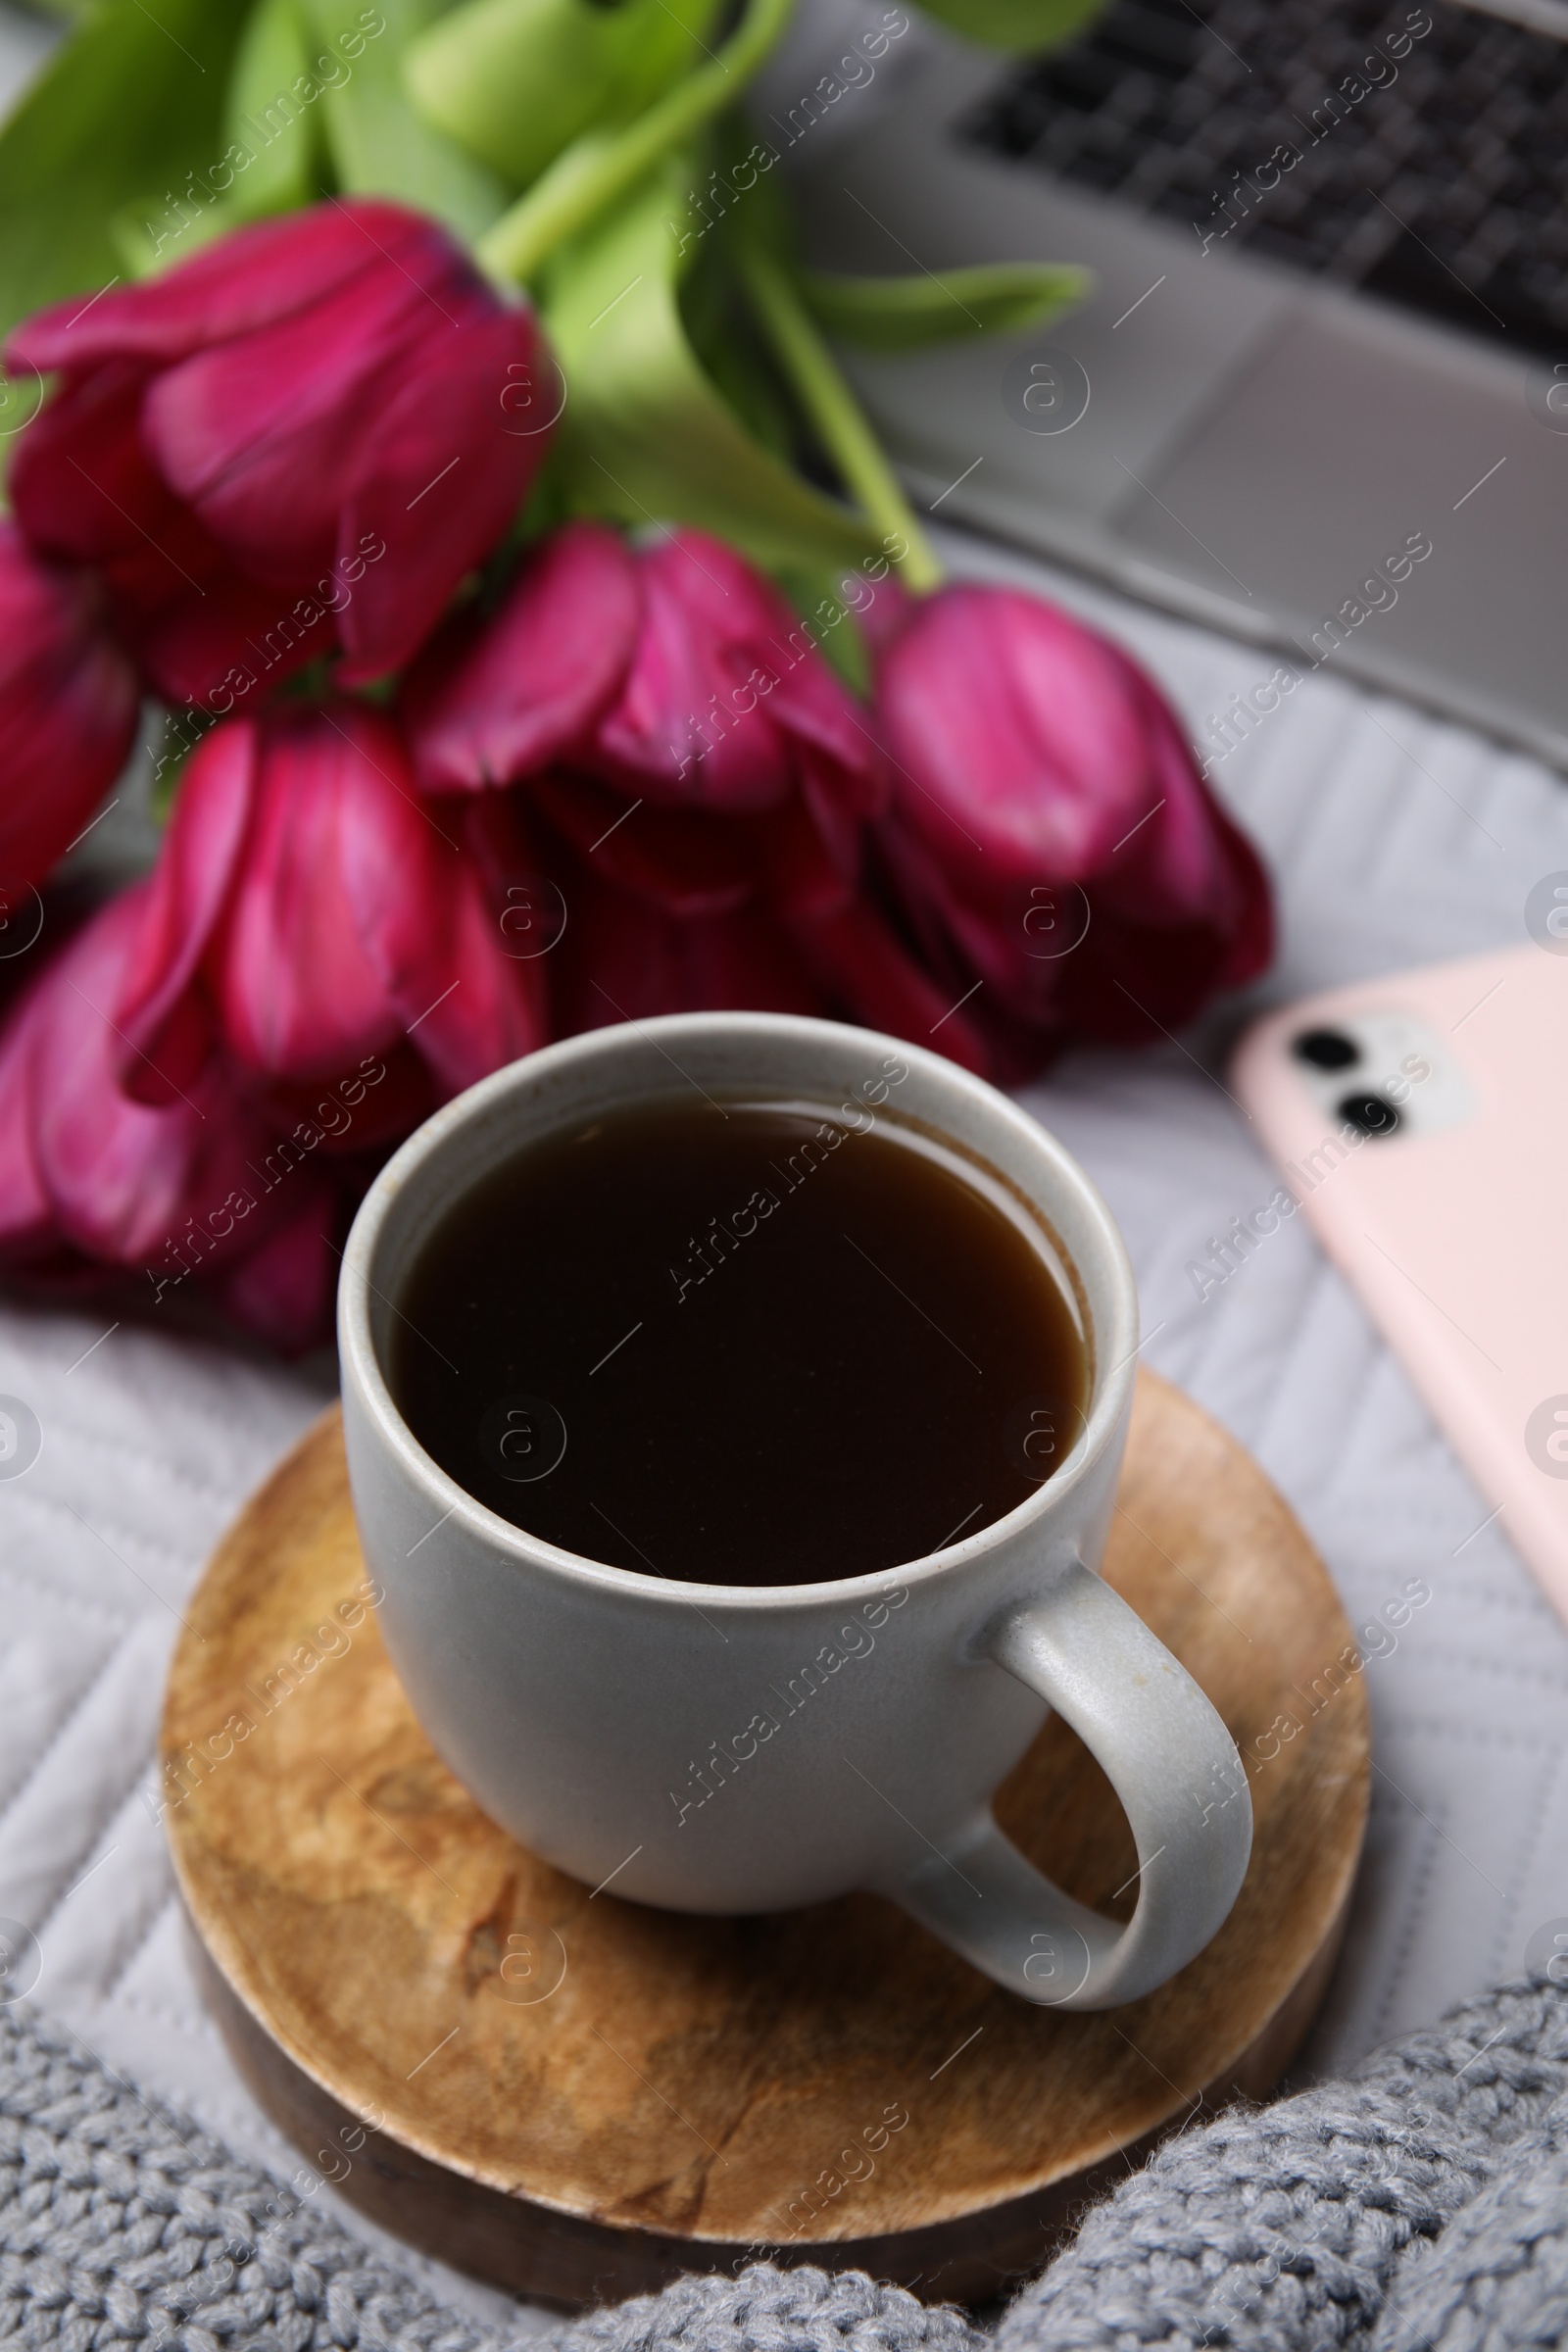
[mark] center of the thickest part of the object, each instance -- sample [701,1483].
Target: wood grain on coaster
[578,2097]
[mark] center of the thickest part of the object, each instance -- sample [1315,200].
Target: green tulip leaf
[730,354]
[904,314]
[605,165]
[379,144]
[150,235]
[127,105]
[1015,24]
[274,156]
[515,81]
[271,114]
[645,435]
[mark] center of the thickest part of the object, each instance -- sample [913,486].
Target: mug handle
[1179,1778]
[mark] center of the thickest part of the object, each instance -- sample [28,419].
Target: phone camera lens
[1369,1115]
[1326,1049]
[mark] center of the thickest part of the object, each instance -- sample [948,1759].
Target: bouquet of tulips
[455,464]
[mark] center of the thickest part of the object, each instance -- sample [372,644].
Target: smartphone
[1420,1123]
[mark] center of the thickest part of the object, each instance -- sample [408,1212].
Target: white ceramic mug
[742,1748]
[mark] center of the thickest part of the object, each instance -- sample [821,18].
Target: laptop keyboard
[1429,166]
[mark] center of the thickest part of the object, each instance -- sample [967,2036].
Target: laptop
[1318,397]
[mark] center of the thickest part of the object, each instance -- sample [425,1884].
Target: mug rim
[360,1366]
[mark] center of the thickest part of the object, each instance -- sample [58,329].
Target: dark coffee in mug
[743,1342]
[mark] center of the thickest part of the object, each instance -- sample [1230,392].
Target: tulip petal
[809,868]
[682,860]
[1253,934]
[215,438]
[618,960]
[69,704]
[743,963]
[260,435]
[163,1021]
[837,817]
[436,485]
[377,1103]
[487,707]
[856,958]
[245,280]
[1138,981]
[1033,758]
[224,646]
[1190,863]
[996,937]
[82,483]
[116,1172]
[340,904]
[26,1216]
[178,1189]
[1016,745]
[86,489]
[692,721]
[508,918]
[886,614]
[623,960]
[492,1013]
[282,1288]
[812,705]
[726,690]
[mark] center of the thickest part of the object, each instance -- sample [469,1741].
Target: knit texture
[1291,2228]
[1498,2276]
[1421,2206]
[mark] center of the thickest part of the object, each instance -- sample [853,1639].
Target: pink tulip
[68,708]
[91,1181]
[80,1166]
[684,910]
[726,694]
[674,674]
[1050,836]
[702,779]
[304,435]
[491,702]
[309,912]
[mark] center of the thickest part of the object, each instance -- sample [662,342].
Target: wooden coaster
[578,2097]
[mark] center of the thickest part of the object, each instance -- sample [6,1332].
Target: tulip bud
[309,911]
[80,1164]
[725,692]
[674,672]
[91,1180]
[306,434]
[1050,836]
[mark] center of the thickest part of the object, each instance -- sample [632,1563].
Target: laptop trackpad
[1314,480]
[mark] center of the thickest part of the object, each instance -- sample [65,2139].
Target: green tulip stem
[599,166]
[820,385]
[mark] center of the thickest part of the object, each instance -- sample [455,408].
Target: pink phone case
[1453,1228]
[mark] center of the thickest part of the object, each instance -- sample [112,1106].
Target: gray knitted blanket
[1421,2206]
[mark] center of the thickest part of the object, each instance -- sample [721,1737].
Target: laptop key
[1438,181]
